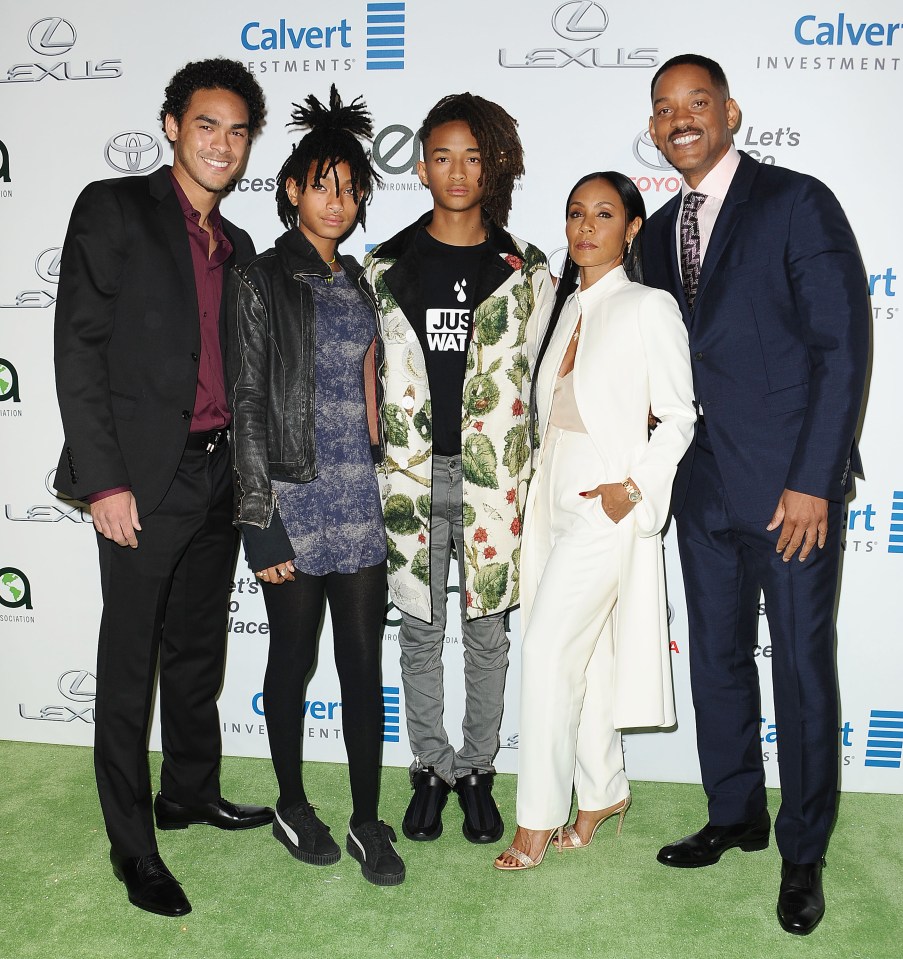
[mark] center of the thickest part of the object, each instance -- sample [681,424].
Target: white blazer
[632,355]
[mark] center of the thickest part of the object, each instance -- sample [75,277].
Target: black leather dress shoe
[150,884]
[801,902]
[482,821]
[423,819]
[222,814]
[706,847]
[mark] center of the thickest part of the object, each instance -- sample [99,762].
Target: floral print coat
[495,446]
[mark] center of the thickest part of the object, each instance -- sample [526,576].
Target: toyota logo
[78,685]
[133,152]
[647,153]
[47,265]
[580,20]
[52,36]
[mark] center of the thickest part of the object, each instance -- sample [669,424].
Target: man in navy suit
[767,273]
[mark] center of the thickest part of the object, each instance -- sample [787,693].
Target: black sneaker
[422,820]
[304,835]
[482,820]
[371,845]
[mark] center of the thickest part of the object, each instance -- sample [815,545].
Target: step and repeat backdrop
[80,89]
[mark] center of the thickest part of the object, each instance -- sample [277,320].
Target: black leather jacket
[270,351]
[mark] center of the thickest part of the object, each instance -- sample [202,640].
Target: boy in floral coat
[458,299]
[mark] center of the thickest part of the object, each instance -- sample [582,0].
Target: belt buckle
[213,440]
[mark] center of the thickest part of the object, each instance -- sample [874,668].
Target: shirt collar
[718,180]
[213,218]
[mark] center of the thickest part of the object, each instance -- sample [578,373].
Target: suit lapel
[172,224]
[730,215]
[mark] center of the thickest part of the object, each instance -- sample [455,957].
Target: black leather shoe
[222,814]
[482,821]
[423,819]
[801,902]
[706,847]
[150,884]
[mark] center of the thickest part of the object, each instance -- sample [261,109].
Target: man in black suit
[139,370]
[765,268]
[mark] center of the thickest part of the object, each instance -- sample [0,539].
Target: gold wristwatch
[633,494]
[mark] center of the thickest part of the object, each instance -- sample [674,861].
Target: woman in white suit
[595,648]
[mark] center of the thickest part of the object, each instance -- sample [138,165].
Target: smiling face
[326,211]
[452,168]
[691,121]
[597,229]
[210,144]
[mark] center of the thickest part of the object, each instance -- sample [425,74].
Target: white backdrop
[80,87]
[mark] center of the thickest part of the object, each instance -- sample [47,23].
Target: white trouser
[570,573]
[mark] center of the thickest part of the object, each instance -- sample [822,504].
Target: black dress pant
[165,601]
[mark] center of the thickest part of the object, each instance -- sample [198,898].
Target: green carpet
[59,899]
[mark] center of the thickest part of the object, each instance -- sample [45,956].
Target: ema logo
[9,382]
[385,36]
[885,739]
[133,152]
[15,590]
[391,713]
[895,539]
[4,163]
[841,32]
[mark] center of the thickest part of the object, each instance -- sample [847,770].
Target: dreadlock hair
[501,151]
[632,262]
[216,74]
[335,137]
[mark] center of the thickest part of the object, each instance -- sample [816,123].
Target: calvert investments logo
[326,44]
[133,152]
[895,536]
[391,713]
[884,747]
[840,31]
[9,383]
[54,37]
[580,22]
[15,590]
[385,36]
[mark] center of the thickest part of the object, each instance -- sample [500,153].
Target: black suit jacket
[127,337]
[779,336]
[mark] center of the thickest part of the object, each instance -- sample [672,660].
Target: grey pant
[485,651]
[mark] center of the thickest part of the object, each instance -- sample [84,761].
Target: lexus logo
[52,36]
[47,265]
[579,20]
[648,154]
[78,685]
[133,152]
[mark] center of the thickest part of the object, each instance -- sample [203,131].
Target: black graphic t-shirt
[448,280]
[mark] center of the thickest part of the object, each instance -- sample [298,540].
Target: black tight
[357,605]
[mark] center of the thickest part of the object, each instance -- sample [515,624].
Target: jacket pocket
[123,405]
[787,400]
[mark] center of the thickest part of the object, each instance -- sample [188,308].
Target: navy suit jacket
[779,336]
[127,337]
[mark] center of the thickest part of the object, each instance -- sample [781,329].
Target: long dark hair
[633,263]
[335,137]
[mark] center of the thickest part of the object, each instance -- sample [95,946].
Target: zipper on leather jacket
[380,372]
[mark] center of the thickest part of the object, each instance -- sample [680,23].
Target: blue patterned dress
[335,522]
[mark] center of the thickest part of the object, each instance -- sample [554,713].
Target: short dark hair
[495,131]
[714,69]
[334,137]
[216,74]
[634,207]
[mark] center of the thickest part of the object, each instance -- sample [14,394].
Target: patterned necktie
[690,244]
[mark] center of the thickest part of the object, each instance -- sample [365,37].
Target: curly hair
[502,154]
[216,74]
[335,134]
